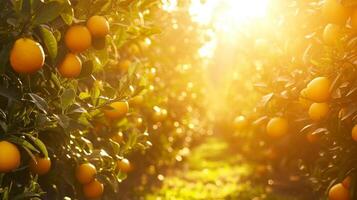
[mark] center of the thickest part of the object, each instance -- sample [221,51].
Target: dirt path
[211,172]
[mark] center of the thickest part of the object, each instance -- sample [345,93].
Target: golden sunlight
[227,15]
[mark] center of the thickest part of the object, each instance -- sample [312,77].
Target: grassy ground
[212,172]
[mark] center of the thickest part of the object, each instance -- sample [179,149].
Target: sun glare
[225,18]
[227,14]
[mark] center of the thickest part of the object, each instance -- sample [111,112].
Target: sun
[224,19]
[242,11]
[227,14]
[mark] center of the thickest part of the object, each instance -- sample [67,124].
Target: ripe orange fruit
[71,66]
[334,12]
[124,65]
[318,111]
[312,138]
[124,165]
[318,89]
[136,101]
[277,127]
[98,26]
[85,173]
[41,166]
[9,157]
[26,56]
[118,137]
[93,190]
[354,133]
[346,182]
[332,34]
[78,38]
[119,110]
[354,19]
[240,122]
[338,192]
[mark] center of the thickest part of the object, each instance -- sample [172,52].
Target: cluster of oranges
[317,85]
[336,15]
[10,159]
[78,38]
[91,186]
[85,175]
[27,56]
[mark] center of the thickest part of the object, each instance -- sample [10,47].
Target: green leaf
[23,143]
[39,102]
[67,98]
[26,9]
[84,95]
[68,14]
[41,146]
[48,12]
[50,42]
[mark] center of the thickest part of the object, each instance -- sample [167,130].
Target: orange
[119,110]
[318,89]
[98,26]
[277,127]
[240,122]
[78,38]
[41,166]
[26,56]
[93,190]
[136,101]
[124,65]
[354,19]
[347,182]
[118,137]
[9,157]
[124,165]
[312,138]
[332,34]
[318,111]
[354,133]
[334,12]
[71,66]
[338,192]
[85,173]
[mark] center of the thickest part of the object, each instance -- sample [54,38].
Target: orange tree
[174,110]
[304,65]
[72,76]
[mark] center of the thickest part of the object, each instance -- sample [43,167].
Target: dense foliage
[86,98]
